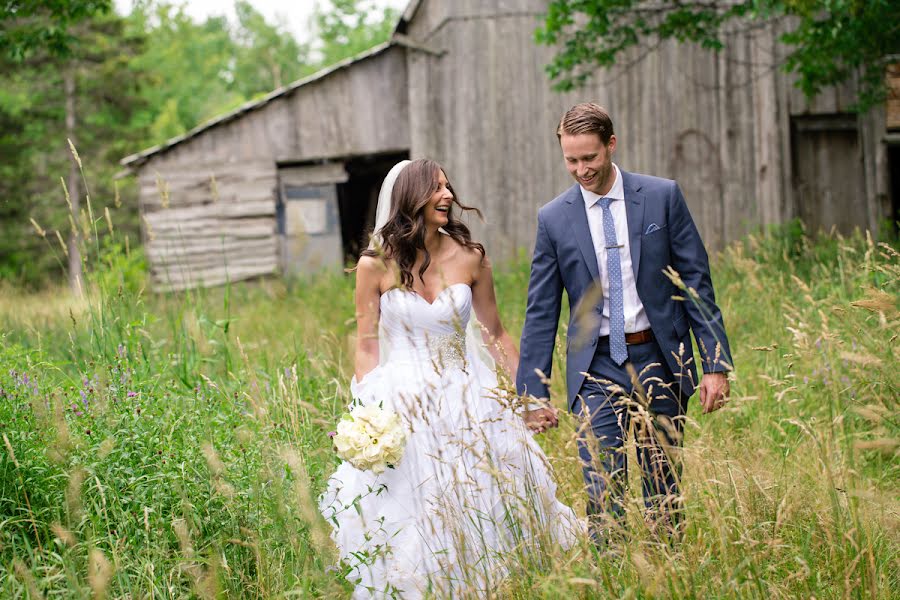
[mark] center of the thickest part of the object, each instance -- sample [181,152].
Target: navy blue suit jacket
[661,234]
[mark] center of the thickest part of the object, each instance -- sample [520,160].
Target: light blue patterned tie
[617,348]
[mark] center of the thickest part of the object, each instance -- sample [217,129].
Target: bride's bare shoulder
[475,257]
[378,271]
[371,264]
[371,268]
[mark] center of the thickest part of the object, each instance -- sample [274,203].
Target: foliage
[350,27]
[27,26]
[200,70]
[34,100]
[831,42]
[140,80]
[181,440]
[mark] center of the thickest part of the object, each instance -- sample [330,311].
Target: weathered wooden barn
[289,183]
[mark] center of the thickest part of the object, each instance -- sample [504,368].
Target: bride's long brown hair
[404,233]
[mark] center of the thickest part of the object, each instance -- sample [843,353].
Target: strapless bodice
[416,330]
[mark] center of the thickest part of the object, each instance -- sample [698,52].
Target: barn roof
[139,158]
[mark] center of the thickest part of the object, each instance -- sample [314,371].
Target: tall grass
[171,446]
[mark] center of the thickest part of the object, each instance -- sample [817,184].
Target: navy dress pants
[611,408]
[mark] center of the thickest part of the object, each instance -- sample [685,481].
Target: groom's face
[589,160]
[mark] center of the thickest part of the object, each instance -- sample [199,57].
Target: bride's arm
[369,272]
[499,343]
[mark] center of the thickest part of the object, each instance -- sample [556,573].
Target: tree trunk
[72,184]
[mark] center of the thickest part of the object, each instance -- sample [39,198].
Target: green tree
[267,55]
[187,65]
[85,95]
[201,70]
[43,25]
[348,27]
[831,41]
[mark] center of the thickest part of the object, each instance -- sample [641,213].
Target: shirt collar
[616,192]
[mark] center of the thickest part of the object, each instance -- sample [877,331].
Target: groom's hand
[540,420]
[714,390]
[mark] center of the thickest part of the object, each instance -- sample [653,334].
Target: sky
[294,13]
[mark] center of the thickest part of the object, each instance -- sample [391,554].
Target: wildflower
[131,394]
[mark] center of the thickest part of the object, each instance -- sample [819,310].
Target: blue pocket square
[652,227]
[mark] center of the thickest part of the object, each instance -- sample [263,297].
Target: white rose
[371,452]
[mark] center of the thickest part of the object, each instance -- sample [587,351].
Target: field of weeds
[161,446]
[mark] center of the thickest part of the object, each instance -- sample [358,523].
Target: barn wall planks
[718,123]
[209,203]
[465,84]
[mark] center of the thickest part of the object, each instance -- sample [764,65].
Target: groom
[630,369]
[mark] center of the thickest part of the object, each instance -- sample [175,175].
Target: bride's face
[437,211]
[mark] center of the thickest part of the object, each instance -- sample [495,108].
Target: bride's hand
[540,419]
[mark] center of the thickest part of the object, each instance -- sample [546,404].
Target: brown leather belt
[638,337]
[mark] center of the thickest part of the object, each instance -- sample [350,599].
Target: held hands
[540,420]
[714,391]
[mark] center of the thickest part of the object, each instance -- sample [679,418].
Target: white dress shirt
[635,315]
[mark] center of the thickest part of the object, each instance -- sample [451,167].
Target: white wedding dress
[473,489]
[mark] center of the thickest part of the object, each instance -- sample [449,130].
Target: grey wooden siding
[209,202]
[719,124]
[464,83]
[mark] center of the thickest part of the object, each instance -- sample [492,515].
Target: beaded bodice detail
[417,330]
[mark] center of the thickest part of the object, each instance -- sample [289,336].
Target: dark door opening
[894,174]
[358,197]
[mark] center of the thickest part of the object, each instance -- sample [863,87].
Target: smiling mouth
[442,209]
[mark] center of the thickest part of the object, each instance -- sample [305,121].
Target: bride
[473,488]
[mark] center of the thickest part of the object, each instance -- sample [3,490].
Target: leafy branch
[830,41]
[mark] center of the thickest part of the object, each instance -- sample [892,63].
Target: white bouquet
[370,438]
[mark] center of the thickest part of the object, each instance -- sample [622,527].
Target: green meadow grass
[158,446]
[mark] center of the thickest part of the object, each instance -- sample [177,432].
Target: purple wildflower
[331,434]
[132,394]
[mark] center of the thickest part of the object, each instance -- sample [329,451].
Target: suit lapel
[634,211]
[578,220]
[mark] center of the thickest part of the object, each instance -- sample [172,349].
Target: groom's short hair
[586,117]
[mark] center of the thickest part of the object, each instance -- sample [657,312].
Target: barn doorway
[828,173]
[894,174]
[358,196]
